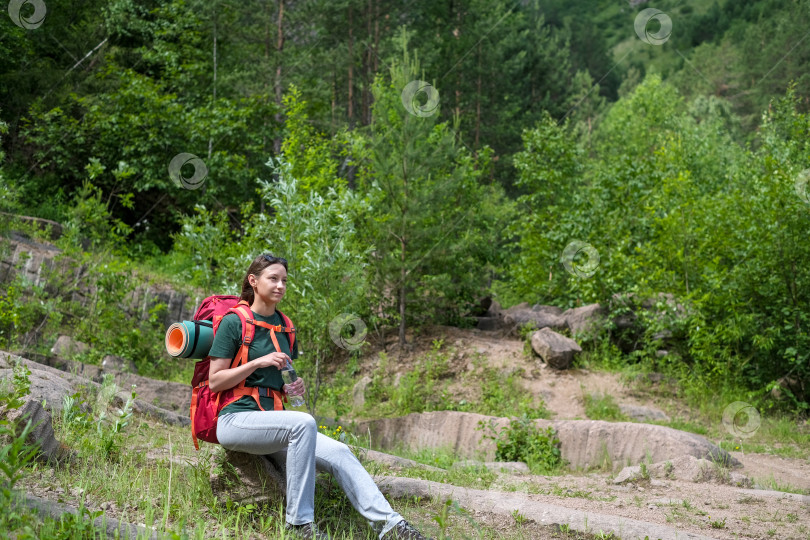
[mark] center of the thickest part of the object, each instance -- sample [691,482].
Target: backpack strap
[248,332]
[291,329]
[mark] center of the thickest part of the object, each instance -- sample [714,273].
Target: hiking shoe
[404,531]
[307,531]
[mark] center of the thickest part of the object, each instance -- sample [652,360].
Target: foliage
[664,179]
[522,440]
[93,426]
[430,209]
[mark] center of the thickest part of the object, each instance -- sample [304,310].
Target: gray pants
[296,433]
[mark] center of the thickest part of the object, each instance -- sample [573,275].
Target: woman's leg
[337,459]
[267,432]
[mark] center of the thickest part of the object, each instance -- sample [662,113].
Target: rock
[66,346]
[538,317]
[643,414]
[557,350]
[250,478]
[584,443]
[585,321]
[495,310]
[628,474]
[172,396]
[359,392]
[50,450]
[52,385]
[45,387]
[687,469]
[511,467]
[489,324]
[118,363]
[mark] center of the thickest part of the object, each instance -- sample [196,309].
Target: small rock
[643,414]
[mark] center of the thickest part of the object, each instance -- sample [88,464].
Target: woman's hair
[256,268]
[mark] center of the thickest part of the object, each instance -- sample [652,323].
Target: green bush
[523,441]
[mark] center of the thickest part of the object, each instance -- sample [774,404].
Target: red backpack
[205,404]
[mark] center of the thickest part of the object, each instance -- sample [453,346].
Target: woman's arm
[221,377]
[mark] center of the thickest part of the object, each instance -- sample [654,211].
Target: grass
[603,407]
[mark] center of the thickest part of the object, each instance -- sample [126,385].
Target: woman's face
[271,284]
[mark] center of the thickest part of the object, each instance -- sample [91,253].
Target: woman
[243,427]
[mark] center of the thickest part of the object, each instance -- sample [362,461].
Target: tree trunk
[279,49]
[351,68]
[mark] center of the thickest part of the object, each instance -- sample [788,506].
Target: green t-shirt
[226,344]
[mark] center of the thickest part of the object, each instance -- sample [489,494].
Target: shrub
[523,441]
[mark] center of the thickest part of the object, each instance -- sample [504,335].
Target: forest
[415,162]
[427,155]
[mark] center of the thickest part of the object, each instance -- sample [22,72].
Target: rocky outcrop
[44,264]
[50,385]
[555,349]
[584,443]
[250,478]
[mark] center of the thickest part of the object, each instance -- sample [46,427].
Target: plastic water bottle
[289,376]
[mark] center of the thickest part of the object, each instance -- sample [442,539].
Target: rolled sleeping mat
[190,339]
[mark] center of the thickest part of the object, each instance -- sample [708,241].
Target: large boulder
[537,316]
[555,349]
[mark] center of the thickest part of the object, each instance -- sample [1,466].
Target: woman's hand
[274,359]
[296,388]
